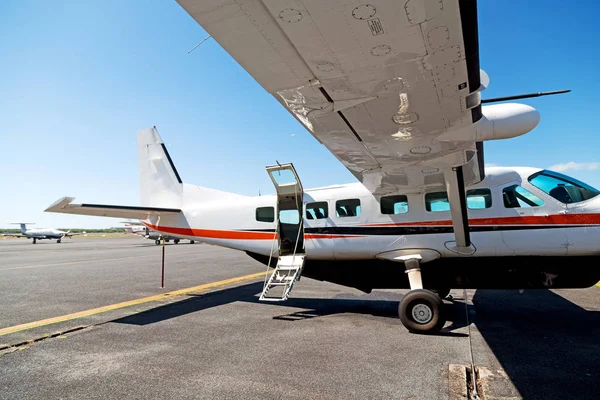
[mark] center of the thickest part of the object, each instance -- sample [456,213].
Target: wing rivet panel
[290,15]
[380,50]
[438,37]
[364,11]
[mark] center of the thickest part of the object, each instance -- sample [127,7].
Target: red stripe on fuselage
[235,235]
[215,234]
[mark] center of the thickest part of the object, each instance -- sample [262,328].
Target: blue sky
[80,78]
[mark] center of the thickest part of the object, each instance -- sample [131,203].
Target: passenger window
[515,196]
[478,199]
[317,210]
[394,204]
[289,217]
[347,208]
[437,201]
[265,214]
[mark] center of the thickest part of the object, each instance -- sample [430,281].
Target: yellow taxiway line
[87,313]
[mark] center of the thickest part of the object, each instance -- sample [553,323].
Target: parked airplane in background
[41,233]
[134,227]
[150,234]
[393,90]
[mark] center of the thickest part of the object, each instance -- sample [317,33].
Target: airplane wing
[377,83]
[64,206]
[391,88]
[19,235]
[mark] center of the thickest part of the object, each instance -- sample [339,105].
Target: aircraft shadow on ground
[312,307]
[548,346]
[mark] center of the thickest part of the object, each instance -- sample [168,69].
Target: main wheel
[191,242]
[422,311]
[176,241]
[34,241]
[58,241]
[157,242]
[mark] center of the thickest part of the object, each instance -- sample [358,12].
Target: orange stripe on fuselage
[556,219]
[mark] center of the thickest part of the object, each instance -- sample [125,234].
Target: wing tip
[60,204]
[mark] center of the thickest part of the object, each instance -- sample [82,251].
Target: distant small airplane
[147,233]
[41,233]
[133,227]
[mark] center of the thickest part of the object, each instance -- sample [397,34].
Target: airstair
[289,234]
[281,281]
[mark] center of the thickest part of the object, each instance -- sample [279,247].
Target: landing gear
[34,240]
[191,242]
[157,242]
[57,240]
[420,310]
[176,241]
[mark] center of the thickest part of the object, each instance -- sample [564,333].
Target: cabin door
[290,230]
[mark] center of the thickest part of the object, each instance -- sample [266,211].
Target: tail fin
[160,184]
[23,225]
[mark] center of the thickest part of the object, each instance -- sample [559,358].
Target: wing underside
[376,83]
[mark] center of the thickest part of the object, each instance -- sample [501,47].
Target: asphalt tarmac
[87,318]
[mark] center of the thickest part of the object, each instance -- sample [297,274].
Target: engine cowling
[499,121]
[504,121]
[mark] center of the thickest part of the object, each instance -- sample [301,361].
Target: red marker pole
[162,279]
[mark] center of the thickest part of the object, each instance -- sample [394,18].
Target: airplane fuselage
[523,234]
[44,233]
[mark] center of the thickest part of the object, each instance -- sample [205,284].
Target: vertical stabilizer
[23,226]
[160,184]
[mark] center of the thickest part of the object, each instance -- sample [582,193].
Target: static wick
[196,46]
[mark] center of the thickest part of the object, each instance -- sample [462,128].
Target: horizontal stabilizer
[64,206]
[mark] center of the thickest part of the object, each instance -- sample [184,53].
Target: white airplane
[151,234]
[41,233]
[393,90]
[131,227]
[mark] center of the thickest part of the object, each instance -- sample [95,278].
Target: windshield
[561,187]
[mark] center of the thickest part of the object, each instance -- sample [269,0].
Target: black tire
[425,304]
[443,293]
[176,241]
[191,242]
[34,241]
[58,241]
[157,242]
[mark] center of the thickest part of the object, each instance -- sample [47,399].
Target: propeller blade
[484,79]
[524,96]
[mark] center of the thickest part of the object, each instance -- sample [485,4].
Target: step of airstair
[281,281]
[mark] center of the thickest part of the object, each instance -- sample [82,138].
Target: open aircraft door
[290,233]
[290,228]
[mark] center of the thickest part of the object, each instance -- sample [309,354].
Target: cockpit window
[561,187]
